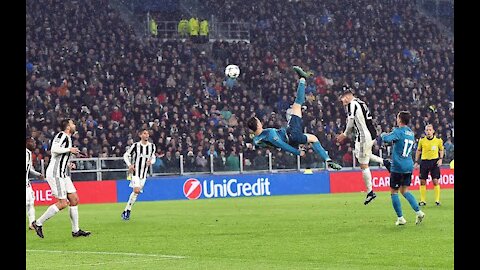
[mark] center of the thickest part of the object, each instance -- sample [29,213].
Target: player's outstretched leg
[385,162]
[397,206]
[301,73]
[388,164]
[38,229]
[413,203]
[296,108]
[131,200]
[74,217]
[367,179]
[317,147]
[31,214]
[50,212]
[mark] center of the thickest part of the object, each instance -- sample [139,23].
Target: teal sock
[397,205]
[411,199]
[317,147]
[300,99]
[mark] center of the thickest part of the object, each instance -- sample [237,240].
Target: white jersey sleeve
[127,157]
[153,156]
[56,144]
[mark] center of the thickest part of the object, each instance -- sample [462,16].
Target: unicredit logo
[192,189]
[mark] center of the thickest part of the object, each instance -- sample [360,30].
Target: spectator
[203,31]
[233,161]
[260,161]
[347,158]
[449,150]
[190,162]
[119,70]
[219,162]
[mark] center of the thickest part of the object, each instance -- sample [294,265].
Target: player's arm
[72,165]
[418,153]
[128,155]
[258,141]
[350,119]
[440,152]
[262,144]
[389,137]
[153,159]
[275,140]
[36,174]
[350,122]
[58,149]
[32,170]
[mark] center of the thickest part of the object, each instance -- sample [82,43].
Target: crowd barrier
[232,185]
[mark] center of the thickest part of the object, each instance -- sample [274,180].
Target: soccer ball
[232,71]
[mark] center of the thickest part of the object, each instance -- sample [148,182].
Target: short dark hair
[252,123]
[404,117]
[29,138]
[64,123]
[345,90]
[140,131]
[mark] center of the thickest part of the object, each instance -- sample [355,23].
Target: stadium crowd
[85,63]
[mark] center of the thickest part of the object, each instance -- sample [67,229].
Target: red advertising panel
[353,181]
[88,192]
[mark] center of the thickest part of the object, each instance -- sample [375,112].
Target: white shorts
[30,196]
[363,151]
[137,182]
[61,186]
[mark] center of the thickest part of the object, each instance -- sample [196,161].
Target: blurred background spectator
[86,62]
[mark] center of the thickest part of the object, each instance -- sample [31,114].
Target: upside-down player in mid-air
[290,137]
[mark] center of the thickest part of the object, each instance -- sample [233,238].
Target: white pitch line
[108,253]
[105,263]
[117,262]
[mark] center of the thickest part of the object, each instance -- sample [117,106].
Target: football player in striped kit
[58,178]
[30,145]
[138,158]
[360,120]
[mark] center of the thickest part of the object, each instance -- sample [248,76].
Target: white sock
[376,158]
[51,211]
[30,213]
[367,178]
[73,210]
[131,201]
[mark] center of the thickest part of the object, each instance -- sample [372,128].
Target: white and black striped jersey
[29,167]
[138,154]
[359,117]
[60,151]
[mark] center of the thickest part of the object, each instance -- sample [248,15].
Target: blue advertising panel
[194,187]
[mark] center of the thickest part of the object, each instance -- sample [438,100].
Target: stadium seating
[85,62]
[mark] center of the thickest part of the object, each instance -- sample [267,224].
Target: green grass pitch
[325,231]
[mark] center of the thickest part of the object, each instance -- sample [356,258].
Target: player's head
[429,131]
[30,143]
[68,125]
[346,95]
[403,118]
[254,124]
[144,134]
